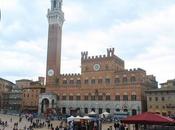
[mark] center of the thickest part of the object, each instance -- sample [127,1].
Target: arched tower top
[55,14]
[56,4]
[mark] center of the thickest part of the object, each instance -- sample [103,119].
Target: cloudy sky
[141,31]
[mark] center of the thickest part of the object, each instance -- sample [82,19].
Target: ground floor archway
[44,105]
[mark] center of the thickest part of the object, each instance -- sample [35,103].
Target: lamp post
[138,108]
[97,107]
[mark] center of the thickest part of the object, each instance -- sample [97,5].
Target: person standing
[122,127]
[116,126]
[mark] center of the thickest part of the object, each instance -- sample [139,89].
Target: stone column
[39,108]
[50,103]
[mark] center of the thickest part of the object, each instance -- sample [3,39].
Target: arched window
[54,4]
[133,96]
[78,81]
[59,5]
[125,110]
[86,110]
[133,79]
[64,81]
[117,97]
[125,97]
[134,111]
[86,81]
[117,110]
[71,81]
[93,109]
[108,110]
[125,79]
[117,80]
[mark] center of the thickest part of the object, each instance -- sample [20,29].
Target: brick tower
[55,19]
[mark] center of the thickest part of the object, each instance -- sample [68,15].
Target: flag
[0,14]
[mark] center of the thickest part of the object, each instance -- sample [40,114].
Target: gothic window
[92,97]
[117,80]
[117,110]
[85,97]
[125,97]
[54,4]
[117,97]
[125,79]
[107,81]
[163,99]
[100,110]
[71,98]
[86,81]
[78,97]
[100,81]
[108,97]
[133,79]
[100,97]
[64,97]
[133,97]
[93,109]
[78,81]
[86,110]
[86,68]
[64,81]
[125,110]
[93,81]
[156,98]
[150,98]
[59,4]
[71,81]
[108,110]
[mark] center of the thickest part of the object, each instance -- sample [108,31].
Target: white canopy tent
[77,118]
[104,114]
[71,118]
[86,118]
[92,113]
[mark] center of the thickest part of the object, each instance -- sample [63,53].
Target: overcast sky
[141,31]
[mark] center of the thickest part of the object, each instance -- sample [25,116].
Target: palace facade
[30,93]
[104,83]
[162,100]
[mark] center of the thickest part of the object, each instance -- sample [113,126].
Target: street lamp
[96,106]
[138,108]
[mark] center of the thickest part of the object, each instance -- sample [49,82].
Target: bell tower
[55,17]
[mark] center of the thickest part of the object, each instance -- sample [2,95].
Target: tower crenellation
[84,55]
[71,75]
[110,52]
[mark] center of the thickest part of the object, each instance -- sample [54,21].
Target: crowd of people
[118,126]
[3,124]
[32,123]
